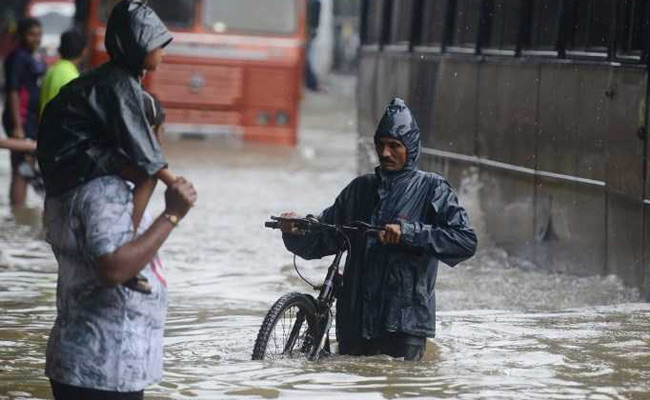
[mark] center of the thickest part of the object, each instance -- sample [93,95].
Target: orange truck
[234,68]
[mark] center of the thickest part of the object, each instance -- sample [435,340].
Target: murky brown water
[504,332]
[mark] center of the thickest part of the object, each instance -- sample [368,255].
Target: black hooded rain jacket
[390,288]
[97,124]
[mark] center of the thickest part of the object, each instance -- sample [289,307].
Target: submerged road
[507,329]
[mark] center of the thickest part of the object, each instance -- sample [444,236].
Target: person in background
[23,71]
[313,21]
[66,69]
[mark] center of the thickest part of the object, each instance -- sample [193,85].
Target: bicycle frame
[328,290]
[324,303]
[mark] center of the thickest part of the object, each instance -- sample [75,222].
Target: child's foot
[139,283]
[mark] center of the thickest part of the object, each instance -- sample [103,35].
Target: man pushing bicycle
[387,301]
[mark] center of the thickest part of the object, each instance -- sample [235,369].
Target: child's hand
[180,197]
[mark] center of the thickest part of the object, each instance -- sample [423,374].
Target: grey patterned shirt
[105,338]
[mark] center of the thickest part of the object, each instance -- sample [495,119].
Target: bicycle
[305,321]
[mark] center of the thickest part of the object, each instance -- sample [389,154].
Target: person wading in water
[387,303]
[95,138]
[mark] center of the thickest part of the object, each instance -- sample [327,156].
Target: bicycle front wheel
[289,329]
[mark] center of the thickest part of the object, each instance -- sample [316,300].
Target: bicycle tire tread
[274,313]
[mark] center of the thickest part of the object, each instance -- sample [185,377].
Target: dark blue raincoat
[391,288]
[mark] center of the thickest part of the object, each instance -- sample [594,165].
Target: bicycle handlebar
[272,225]
[310,224]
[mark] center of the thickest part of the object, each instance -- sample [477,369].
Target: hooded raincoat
[97,123]
[390,288]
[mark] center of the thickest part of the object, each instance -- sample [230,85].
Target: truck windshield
[270,17]
[176,14]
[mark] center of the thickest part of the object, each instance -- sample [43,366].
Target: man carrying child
[94,139]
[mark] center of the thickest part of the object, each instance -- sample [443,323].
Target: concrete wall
[548,151]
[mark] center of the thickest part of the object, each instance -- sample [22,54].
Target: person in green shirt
[65,70]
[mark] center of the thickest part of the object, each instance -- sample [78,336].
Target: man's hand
[391,234]
[180,197]
[288,227]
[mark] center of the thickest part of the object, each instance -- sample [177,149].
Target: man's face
[392,154]
[32,39]
[153,59]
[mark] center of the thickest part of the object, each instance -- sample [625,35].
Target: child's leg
[142,192]
[141,196]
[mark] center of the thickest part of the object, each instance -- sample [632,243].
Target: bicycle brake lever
[311,218]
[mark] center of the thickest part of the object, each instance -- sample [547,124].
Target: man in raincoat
[107,340]
[387,302]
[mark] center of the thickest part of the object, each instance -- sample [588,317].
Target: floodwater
[506,328]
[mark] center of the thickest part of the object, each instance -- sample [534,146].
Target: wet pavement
[506,328]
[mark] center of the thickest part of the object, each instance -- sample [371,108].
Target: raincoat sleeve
[318,245]
[449,237]
[123,114]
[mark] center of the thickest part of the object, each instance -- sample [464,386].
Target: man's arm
[19,145]
[129,259]
[320,244]
[450,238]
[313,245]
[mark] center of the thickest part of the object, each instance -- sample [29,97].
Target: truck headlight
[282,118]
[263,118]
